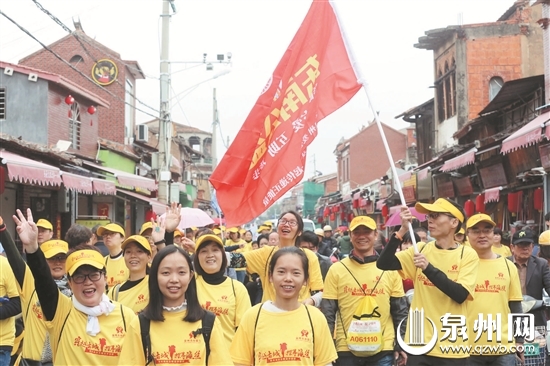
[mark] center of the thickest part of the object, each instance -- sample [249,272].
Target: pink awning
[128,179]
[467,158]
[405,176]
[492,194]
[528,135]
[157,207]
[77,183]
[26,170]
[423,174]
[102,186]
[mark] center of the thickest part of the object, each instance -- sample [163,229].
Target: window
[76,59]
[495,84]
[446,91]
[74,126]
[195,143]
[2,103]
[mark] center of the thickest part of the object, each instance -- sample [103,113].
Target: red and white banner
[314,78]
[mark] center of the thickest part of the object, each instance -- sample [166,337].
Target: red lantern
[538,199]
[326,211]
[513,203]
[385,211]
[350,217]
[69,99]
[480,203]
[469,208]
[320,220]
[332,216]
[91,109]
[342,215]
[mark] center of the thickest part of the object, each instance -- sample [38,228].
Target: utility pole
[215,122]
[165,120]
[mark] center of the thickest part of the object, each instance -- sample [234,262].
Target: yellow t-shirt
[459,265]
[35,325]
[173,343]
[8,288]
[76,347]
[497,283]
[340,285]
[136,298]
[229,301]
[257,261]
[117,272]
[283,338]
[503,250]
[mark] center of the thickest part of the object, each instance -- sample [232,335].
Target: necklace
[176,308]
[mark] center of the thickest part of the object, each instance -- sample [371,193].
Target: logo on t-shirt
[218,310]
[98,348]
[424,280]
[304,336]
[172,356]
[37,310]
[488,287]
[283,354]
[454,268]
[119,332]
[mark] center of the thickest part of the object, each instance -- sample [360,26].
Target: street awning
[405,176]
[467,158]
[492,194]
[157,207]
[528,135]
[380,204]
[26,170]
[77,183]
[102,186]
[128,179]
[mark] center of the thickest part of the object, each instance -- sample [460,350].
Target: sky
[256,33]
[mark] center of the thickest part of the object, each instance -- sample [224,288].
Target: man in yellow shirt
[497,294]
[45,230]
[349,281]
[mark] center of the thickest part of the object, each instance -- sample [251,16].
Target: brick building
[106,74]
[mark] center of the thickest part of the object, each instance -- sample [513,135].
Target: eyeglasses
[289,223]
[94,277]
[57,259]
[485,231]
[435,215]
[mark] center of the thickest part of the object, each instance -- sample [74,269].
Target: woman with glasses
[443,273]
[134,293]
[36,347]
[290,227]
[87,329]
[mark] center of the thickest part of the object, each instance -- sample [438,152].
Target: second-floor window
[446,92]
[74,126]
[495,84]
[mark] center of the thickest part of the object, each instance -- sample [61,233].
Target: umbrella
[219,221]
[193,217]
[395,219]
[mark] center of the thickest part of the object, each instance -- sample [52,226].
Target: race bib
[364,336]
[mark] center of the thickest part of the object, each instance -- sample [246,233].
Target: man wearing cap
[45,230]
[444,274]
[324,248]
[113,235]
[263,229]
[11,301]
[329,243]
[88,320]
[497,294]
[534,274]
[97,241]
[355,277]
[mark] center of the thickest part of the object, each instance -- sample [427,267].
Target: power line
[77,37]
[71,66]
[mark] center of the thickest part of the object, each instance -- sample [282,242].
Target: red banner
[267,158]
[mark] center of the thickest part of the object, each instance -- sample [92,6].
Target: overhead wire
[79,39]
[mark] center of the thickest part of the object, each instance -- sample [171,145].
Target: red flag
[267,158]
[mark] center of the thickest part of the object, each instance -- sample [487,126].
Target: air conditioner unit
[142,133]
[8,71]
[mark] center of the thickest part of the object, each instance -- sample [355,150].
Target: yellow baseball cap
[44,224]
[177,233]
[112,227]
[263,227]
[362,220]
[268,223]
[242,231]
[203,239]
[90,257]
[137,239]
[461,231]
[217,231]
[233,230]
[477,218]
[145,226]
[544,238]
[440,205]
[54,247]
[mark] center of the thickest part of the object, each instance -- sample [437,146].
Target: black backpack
[206,329]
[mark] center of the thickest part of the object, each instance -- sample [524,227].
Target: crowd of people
[216,296]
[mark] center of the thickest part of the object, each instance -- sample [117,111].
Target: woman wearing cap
[290,227]
[134,293]
[225,297]
[174,318]
[113,236]
[443,272]
[87,329]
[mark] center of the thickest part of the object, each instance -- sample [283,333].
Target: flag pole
[362,81]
